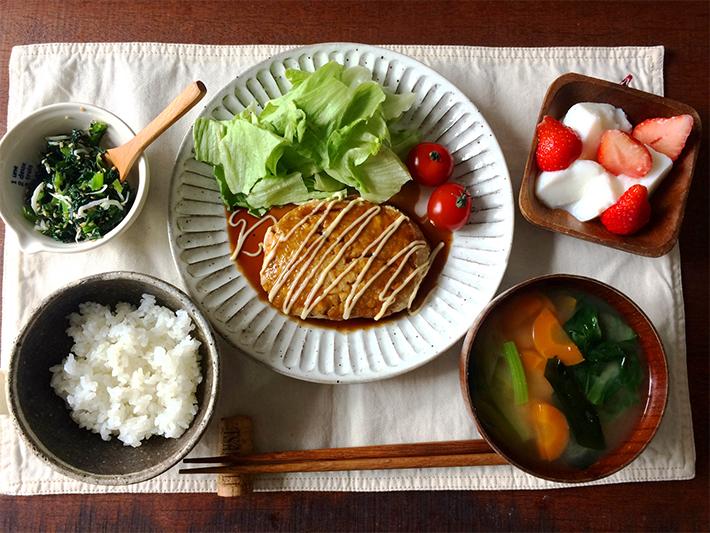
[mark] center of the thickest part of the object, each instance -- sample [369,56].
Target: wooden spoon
[122,157]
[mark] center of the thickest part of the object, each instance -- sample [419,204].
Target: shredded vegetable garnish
[77,196]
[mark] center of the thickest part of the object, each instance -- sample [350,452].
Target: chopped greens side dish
[77,196]
[330,135]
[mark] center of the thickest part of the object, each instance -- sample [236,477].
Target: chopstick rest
[235,439]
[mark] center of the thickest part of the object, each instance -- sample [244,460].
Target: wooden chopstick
[379,463]
[384,457]
[453,447]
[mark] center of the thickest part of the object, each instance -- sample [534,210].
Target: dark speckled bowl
[42,417]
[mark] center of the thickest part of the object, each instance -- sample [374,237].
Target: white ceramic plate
[477,259]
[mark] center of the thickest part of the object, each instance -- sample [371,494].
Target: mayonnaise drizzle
[362,221]
[427,266]
[244,232]
[353,297]
[301,264]
[315,248]
[296,258]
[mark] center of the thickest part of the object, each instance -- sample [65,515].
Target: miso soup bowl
[653,398]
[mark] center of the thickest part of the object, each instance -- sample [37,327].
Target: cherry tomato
[449,206]
[430,164]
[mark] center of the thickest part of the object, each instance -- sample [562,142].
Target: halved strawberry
[665,135]
[630,213]
[557,145]
[620,153]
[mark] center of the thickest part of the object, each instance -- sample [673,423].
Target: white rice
[131,373]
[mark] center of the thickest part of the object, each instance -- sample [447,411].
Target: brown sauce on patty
[405,201]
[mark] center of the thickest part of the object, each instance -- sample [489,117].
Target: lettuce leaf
[207,135]
[381,176]
[329,135]
[278,190]
[396,104]
[365,101]
[285,120]
[403,141]
[350,147]
[323,182]
[257,156]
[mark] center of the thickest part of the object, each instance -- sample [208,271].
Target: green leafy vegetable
[331,133]
[581,414]
[97,181]
[70,200]
[605,351]
[278,190]
[614,329]
[517,372]
[29,214]
[504,420]
[626,392]
[597,384]
[117,186]
[323,182]
[611,374]
[583,328]
[381,176]
[96,132]
[503,396]
[403,141]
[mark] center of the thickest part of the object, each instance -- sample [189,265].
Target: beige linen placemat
[507,84]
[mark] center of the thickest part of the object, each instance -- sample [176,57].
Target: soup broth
[558,378]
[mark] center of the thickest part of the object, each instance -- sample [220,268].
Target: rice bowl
[132,373]
[42,418]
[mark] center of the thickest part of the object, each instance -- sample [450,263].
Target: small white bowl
[20,152]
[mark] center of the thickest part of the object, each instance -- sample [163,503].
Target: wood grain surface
[123,157]
[682,27]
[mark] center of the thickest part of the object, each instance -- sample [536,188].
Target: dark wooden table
[682,27]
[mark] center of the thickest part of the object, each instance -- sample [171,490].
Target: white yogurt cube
[562,187]
[590,120]
[599,194]
[661,165]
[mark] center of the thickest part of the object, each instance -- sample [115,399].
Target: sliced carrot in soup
[538,386]
[552,341]
[522,336]
[533,362]
[523,309]
[518,316]
[551,430]
[564,306]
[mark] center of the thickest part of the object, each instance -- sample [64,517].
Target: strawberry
[620,153]
[630,213]
[557,145]
[665,135]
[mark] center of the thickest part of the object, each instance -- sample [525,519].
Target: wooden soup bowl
[653,357]
[667,202]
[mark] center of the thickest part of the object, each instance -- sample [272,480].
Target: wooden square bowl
[667,202]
